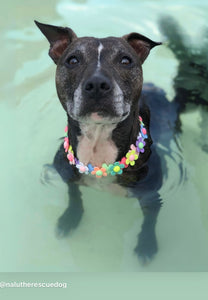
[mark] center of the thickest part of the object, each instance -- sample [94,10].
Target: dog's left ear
[141,44]
[58,37]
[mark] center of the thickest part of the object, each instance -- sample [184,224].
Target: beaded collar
[111,169]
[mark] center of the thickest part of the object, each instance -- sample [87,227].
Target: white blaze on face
[100,48]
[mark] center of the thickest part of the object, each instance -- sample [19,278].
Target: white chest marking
[96,146]
[100,48]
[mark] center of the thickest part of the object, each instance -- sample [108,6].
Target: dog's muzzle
[99,96]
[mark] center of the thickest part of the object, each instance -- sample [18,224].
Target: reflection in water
[191,81]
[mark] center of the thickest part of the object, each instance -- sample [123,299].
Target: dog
[108,138]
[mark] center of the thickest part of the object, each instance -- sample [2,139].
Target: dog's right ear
[58,37]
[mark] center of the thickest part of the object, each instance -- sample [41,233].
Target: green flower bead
[106,167]
[99,173]
[141,145]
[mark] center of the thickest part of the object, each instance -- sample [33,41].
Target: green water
[32,120]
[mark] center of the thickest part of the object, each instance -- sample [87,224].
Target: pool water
[32,121]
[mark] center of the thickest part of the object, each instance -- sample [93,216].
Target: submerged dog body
[99,83]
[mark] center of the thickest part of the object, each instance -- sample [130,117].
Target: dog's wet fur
[100,86]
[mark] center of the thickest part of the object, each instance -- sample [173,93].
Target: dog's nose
[97,86]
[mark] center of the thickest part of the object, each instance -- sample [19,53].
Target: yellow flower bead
[116,169]
[70,149]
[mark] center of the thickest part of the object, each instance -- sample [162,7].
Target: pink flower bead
[123,161]
[66,144]
[70,157]
[144,131]
[131,157]
[82,169]
[132,147]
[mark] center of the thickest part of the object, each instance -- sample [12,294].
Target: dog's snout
[97,86]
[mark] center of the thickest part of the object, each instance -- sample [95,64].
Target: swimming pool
[32,121]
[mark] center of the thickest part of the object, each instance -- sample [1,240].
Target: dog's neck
[95,145]
[102,143]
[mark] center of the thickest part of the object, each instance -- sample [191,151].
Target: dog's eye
[126,60]
[72,60]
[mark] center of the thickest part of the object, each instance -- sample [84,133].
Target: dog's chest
[105,184]
[95,145]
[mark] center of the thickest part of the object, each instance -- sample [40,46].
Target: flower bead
[141,121]
[143,132]
[99,172]
[132,147]
[105,166]
[90,167]
[131,157]
[140,143]
[66,144]
[76,161]
[116,168]
[66,129]
[123,162]
[82,168]
[70,149]
[70,157]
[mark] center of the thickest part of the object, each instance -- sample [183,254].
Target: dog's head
[97,80]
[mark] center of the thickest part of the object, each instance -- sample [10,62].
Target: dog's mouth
[96,118]
[100,119]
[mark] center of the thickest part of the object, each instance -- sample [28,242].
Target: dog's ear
[141,44]
[58,37]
